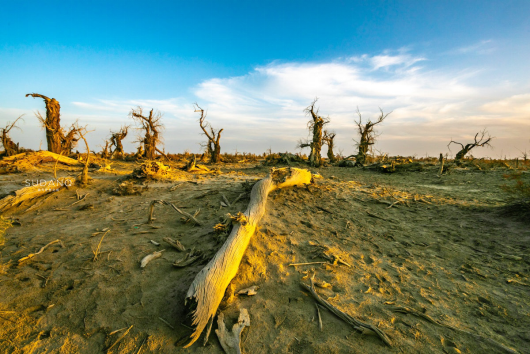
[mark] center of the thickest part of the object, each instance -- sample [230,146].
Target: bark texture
[315,126]
[58,141]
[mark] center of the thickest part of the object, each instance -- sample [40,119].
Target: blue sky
[445,68]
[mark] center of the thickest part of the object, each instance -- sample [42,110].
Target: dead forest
[155,251]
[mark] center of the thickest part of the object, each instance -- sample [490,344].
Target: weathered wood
[207,290]
[231,341]
[35,158]
[33,192]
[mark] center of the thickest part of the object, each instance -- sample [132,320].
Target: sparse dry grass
[4,225]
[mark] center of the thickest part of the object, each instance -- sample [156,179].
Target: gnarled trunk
[52,123]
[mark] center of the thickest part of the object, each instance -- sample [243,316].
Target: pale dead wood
[116,331]
[191,257]
[319,318]
[119,339]
[186,214]
[208,331]
[403,309]
[31,255]
[80,200]
[226,200]
[175,244]
[150,257]
[166,322]
[186,220]
[208,288]
[355,323]
[231,341]
[308,263]
[238,197]
[33,192]
[248,291]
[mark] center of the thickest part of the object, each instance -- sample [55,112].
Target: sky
[445,69]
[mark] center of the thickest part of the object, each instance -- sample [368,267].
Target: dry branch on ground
[208,288]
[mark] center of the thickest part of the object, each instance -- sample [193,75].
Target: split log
[208,288]
[35,191]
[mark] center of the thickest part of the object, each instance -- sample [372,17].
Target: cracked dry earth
[439,246]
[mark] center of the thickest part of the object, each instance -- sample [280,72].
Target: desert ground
[447,247]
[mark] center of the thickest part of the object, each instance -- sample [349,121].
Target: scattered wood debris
[35,191]
[175,244]
[150,257]
[31,255]
[355,323]
[191,257]
[408,310]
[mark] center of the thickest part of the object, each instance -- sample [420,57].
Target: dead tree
[10,148]
[58,141]
[315,126]
[105,154]
[367,135]
[328,139]
[116,141]
[481,142]
[83,178]
[152,127]
[213,145]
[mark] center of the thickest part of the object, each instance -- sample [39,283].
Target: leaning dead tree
[10,148]
[367,135]
[58,140]
[83,178]
[315,126]
[484,140]
[213,145]
[152,127]
[328,139]
[116,139]
[209,286]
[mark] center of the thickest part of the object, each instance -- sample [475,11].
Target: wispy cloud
[482,47]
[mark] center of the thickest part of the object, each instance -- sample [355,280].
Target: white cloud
[264,108]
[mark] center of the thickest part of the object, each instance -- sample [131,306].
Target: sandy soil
[447,252]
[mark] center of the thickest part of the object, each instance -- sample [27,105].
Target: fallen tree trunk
[208,288]
[34,191]
[35,158]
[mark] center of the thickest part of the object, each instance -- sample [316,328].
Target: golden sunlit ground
[444,246]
